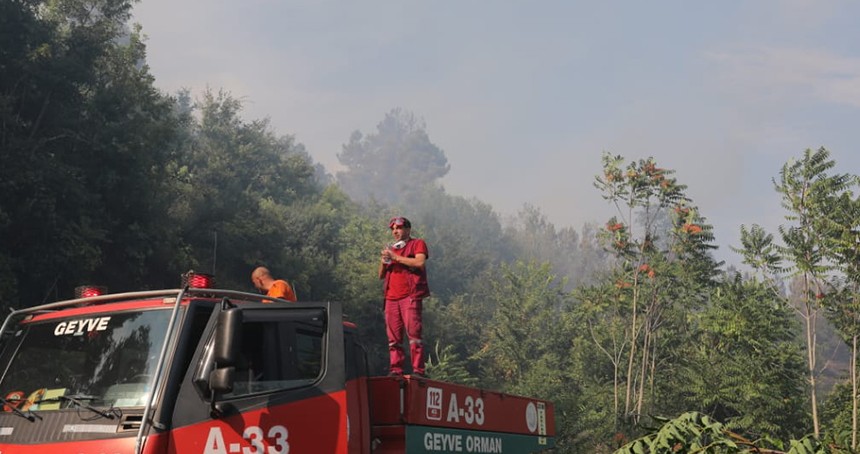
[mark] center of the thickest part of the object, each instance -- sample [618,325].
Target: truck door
[288,391]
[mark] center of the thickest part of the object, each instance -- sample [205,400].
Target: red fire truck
[210,371]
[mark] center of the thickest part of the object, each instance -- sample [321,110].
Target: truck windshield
[102,360]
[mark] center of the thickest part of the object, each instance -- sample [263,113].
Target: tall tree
[82,134]
[394,164]
[249,197]
[809,192]
[661,246]
[842,300]
[601,347]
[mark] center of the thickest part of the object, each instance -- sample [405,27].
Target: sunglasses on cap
[399,221]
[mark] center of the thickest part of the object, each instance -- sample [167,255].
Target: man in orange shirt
[276,288]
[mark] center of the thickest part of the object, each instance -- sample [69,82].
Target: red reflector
[87,291]
[198,280]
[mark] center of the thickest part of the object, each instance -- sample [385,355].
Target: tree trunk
[810,358]
[854,393]
[615,392]
[634,336]
[646,343]
[615,357]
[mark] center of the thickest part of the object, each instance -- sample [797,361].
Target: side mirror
[228,337]
[221,380]
[226,346]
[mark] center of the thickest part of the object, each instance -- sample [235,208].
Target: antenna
[214,250]
[50,289]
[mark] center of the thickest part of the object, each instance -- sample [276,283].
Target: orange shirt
[280,289]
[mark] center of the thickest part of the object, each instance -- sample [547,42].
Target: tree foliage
[79,116]
[661,244]
[247,197]
[393,164]
[810,193]
[693,432]
[745,368]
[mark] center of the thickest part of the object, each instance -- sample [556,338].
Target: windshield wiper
[78,400]
[29,415]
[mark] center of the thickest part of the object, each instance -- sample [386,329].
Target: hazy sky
[524,96]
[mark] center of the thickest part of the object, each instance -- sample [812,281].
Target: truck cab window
[278,353]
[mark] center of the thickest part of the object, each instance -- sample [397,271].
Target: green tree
[745,366]
[598,355]
[842,300]
[526,340]
[661,245]
[809,193]
[248,197]
[393,164]
[83,137]
[528,301]
[359,243]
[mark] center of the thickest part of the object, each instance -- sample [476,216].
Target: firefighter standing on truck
[402,266]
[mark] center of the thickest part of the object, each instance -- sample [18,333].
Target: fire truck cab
[199,370]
